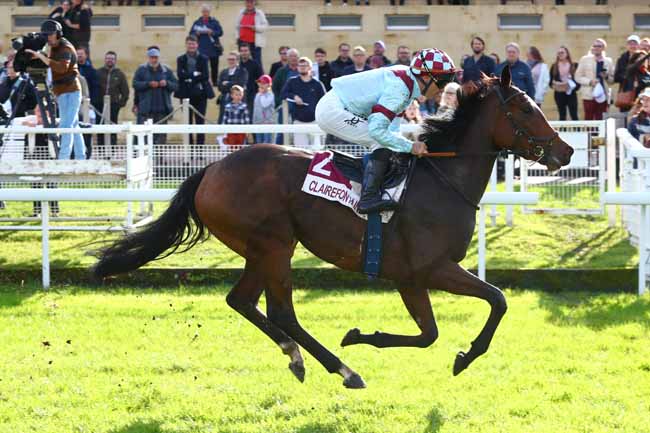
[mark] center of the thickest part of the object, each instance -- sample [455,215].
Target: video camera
[23,62]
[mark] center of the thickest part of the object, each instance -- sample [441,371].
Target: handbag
[625,100]
[218,47]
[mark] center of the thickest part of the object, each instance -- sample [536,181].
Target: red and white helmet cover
[437,62]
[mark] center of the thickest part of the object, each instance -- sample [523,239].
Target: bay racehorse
[252,201]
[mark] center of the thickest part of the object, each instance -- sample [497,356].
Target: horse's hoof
[354,381]
[461,363]
[352,337]
[298,370]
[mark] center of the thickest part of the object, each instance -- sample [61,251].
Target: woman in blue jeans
[65,85]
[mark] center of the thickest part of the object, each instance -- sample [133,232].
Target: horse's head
[520,126]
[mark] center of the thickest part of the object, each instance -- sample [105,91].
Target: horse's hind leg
[419,306]
[453,278]
[280,310]
[243,298]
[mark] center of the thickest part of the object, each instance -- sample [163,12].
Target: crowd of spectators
[245,89]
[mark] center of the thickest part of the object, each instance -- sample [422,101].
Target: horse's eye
[527,109]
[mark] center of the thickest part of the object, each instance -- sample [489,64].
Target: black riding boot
[373,176]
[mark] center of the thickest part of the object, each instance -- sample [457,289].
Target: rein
[540,147]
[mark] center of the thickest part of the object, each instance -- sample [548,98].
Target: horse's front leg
[452,278]
[418,305]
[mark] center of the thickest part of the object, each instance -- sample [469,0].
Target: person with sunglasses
[594,72]
[363,108]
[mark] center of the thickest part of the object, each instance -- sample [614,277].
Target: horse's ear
[506,77]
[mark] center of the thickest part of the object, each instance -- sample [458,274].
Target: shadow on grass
[140,427]
[595,312]
[435,420]
[319,427]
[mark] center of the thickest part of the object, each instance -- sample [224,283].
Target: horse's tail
[171,231]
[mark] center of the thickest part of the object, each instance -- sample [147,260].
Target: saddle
[352,167]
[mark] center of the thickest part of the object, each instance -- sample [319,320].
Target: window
[520,22]
[153,21]
[587,22]
[282,21]
[28,21]
[106,20]
[642,21]
[407,22]
[339,22]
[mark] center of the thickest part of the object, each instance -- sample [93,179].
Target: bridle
[540,147]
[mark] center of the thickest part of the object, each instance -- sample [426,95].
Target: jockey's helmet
[433,62]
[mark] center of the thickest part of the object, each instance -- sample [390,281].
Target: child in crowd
[236,113]
[264,108]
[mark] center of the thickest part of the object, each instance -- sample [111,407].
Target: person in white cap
[632,46]
[640,123]
[364,109]
[378,52]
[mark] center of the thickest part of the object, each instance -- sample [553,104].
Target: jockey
[363,109]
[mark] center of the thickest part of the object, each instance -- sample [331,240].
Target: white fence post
[285,119]
[45,243]
[106,120]
[510,183]
[610,137]
[186,136]
[493,188]
[481,243]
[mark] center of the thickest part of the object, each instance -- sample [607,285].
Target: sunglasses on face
[598,46]
[232,60]
[284,53]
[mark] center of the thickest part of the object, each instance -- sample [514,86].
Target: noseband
[539,146]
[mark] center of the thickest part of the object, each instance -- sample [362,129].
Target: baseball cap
[645,93]
[380,43]
[265,79]
[634,38]
[153,52]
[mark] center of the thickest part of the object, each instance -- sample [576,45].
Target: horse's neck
[472,173]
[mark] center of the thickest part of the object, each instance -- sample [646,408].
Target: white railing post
[129,177]
[493,188]
[45,243]
[643,248]
[186,136]
[481,243]
[602,175]
[510,183]
[106,120]
[285,119]
[610,138]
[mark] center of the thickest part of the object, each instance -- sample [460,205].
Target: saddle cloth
[336,176]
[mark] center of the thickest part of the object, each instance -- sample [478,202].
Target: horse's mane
[442,132]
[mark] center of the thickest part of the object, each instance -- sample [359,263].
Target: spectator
[637,76]
[521,76]
[632,46]
[194,84]
[565,90]
[78,20]
[539,71]
[449,99]
[65,86]
[264,108]
[90,74]
[17,92]
[640,123]
[275,67]
[358,63]
[412,116]
[321,68]
[305,92]
[208,31]
[154,84]
[251,29]
[379,50]
[478,62]
[236,113]
[403,56]
[645,45]
[345,2]
[254,70]
[594,72]
[233,75]
[61,14]
[342,61]
[284,74]
[112,81]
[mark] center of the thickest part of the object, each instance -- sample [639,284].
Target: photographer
[20,93]
[65,85]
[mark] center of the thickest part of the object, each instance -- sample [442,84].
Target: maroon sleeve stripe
[383,110]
